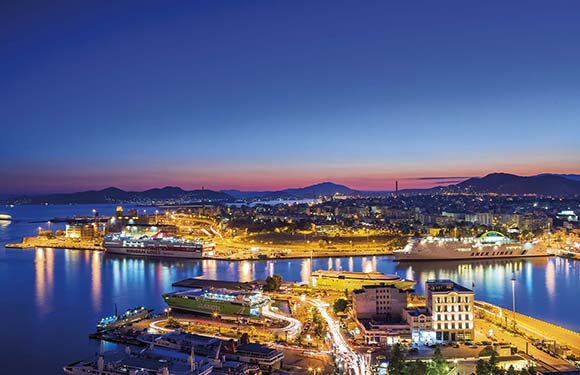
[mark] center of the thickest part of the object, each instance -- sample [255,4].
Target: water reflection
[44,272]
[96,279]
[551,279]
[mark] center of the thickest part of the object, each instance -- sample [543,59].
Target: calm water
[53,298]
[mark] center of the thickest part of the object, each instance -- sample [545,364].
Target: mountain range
[500,183]
[505,183]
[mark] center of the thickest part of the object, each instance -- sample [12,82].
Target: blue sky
[269,94]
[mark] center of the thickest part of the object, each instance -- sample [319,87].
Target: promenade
[533,328]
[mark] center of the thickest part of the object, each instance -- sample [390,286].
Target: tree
[511,371]
[273,283]
[482,368]
[340,305]
[416,367]
[397,361]
[439,365]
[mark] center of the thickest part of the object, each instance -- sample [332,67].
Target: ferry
[158,245]
[130,316]
[489,245]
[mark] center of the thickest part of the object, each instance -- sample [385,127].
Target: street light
[514,300]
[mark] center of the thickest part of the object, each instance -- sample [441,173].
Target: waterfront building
[267,358]
[342,280]
[451,308]
[383,301]
[221,302]
[84,232]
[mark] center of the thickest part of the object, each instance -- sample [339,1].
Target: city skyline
[97,95]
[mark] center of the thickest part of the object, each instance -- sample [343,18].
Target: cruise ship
[225,302]
[158,246]
[489,245]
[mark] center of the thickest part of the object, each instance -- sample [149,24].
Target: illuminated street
[350,360]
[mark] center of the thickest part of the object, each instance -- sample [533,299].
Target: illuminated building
[451,308]
[379,301]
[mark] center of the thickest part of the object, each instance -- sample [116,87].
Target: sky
[256,95]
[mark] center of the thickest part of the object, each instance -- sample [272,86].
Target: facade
[374,332]
[84,232]
[421,323]
[383,301]
[451,308]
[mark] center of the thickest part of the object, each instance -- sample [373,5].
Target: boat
[128,317]
[158,245]
[5,217]
[489,245]
[220,301]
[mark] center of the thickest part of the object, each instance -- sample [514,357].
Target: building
[375,332]
[451,309]
[84,232]
[268,359]
[383,301]
[343,280]
[420,321]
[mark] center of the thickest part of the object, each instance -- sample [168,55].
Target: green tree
[482,368]
[397,361]
[340,305]
[273,283]
[416,367]
[438,365]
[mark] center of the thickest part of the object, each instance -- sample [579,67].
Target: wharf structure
[343,280]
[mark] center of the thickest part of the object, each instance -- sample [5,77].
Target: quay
[559,339]
[56,243]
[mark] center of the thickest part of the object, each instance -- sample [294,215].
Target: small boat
[5,217]
[130,316]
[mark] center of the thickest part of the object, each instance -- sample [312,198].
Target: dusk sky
[270,94]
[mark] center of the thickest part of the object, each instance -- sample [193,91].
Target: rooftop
[445,285]
[232,285]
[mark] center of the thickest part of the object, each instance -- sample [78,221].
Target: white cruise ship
[490,245]
[158,246]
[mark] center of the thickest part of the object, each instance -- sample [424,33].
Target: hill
[169,194]
[311,191]
[505,183]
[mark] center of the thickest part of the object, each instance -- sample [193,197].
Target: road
[353,363]
[292,329]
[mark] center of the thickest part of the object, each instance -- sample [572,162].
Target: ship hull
[418,250]
[151,252]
